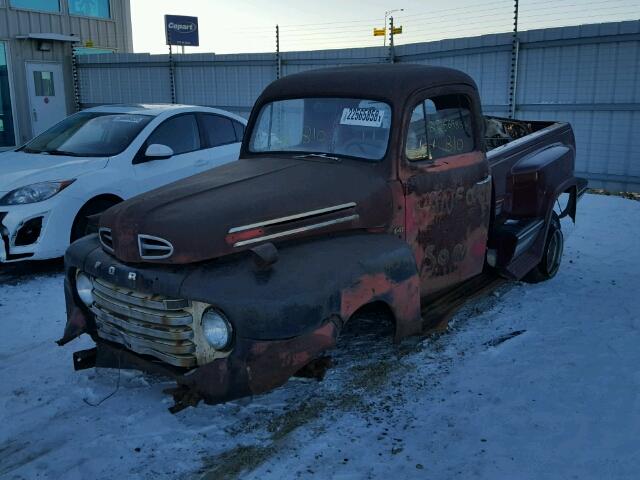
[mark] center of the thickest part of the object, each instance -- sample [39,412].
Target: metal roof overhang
[52,37]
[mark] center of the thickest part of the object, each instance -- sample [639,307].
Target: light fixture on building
[45,45]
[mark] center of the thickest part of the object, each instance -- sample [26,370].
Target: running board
[512,239]
[437,312]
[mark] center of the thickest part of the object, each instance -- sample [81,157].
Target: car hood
[246,203]
[18,169]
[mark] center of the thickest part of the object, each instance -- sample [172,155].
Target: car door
[182,134]
[222,137]
[447,188]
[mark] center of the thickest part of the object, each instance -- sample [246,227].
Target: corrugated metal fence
[588,75]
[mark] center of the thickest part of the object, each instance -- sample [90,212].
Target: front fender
[310,283]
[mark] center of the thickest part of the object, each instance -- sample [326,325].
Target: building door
[47,99]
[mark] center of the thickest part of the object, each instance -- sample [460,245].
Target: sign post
[181,30]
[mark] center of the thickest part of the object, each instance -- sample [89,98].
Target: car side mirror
[158,151]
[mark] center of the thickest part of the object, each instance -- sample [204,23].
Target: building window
[44,5]
[7,137]
[92,50]
[90,8]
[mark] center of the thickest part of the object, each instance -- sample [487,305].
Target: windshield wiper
[62,153]
[318,155]
[29,150]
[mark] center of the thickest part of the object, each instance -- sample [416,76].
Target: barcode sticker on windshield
[363,117]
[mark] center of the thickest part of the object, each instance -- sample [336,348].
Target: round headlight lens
[217,330]
[84,287]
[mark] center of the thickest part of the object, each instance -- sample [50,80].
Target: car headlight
[38,192]
[84,288]
[217,329]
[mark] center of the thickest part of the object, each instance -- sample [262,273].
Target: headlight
[38,192]
[84,287]
[217,330]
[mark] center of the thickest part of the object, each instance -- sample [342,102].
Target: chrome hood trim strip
[297,216]
[294,231]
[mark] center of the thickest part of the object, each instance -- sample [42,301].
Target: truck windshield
[347,127]
[89,134]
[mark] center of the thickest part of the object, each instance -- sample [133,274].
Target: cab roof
[391,82]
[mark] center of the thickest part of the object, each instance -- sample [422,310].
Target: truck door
[447,188]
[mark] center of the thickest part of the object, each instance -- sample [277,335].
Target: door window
[440,127]
[179,133]
[239,128]
[217,130]
[44,85]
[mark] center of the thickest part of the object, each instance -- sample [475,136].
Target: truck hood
[245,203]
[20,169]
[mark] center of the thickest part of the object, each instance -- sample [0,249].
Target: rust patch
[447,218]
[403,297]
[254,367]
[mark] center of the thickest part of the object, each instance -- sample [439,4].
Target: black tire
[81,227]
[552,257]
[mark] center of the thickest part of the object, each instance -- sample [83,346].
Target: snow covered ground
[560,400]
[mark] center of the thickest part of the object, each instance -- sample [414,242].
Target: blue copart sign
[181,30]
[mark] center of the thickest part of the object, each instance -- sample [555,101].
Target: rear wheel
[552,257]
[81,226]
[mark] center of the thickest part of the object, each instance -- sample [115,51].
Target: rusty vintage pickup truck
[371,185]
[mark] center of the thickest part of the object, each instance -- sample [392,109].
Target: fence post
[172,76]
[278,59]
[515,51]
[392,52]
[76,81]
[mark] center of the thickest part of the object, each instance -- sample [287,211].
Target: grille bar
[143,328]
[156,302]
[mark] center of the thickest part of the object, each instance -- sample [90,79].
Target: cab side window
[217,130]
[179,133]
[440,127]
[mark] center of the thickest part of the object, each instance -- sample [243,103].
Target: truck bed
[508,141]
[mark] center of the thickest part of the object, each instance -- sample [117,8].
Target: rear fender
[530,258]
[536,181]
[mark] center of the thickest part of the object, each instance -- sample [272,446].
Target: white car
[98,157]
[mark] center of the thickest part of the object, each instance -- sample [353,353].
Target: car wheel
[81,225]
[552,257]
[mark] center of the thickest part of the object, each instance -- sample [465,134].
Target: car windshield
[89,134]
[347,127]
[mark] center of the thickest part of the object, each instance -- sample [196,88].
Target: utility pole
[386,15]
[392,53]
[76,80]
[278,60]
[515,52]
[172,76]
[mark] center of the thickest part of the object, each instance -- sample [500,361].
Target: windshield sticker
[363,117]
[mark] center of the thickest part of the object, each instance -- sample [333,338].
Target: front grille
[146,324]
